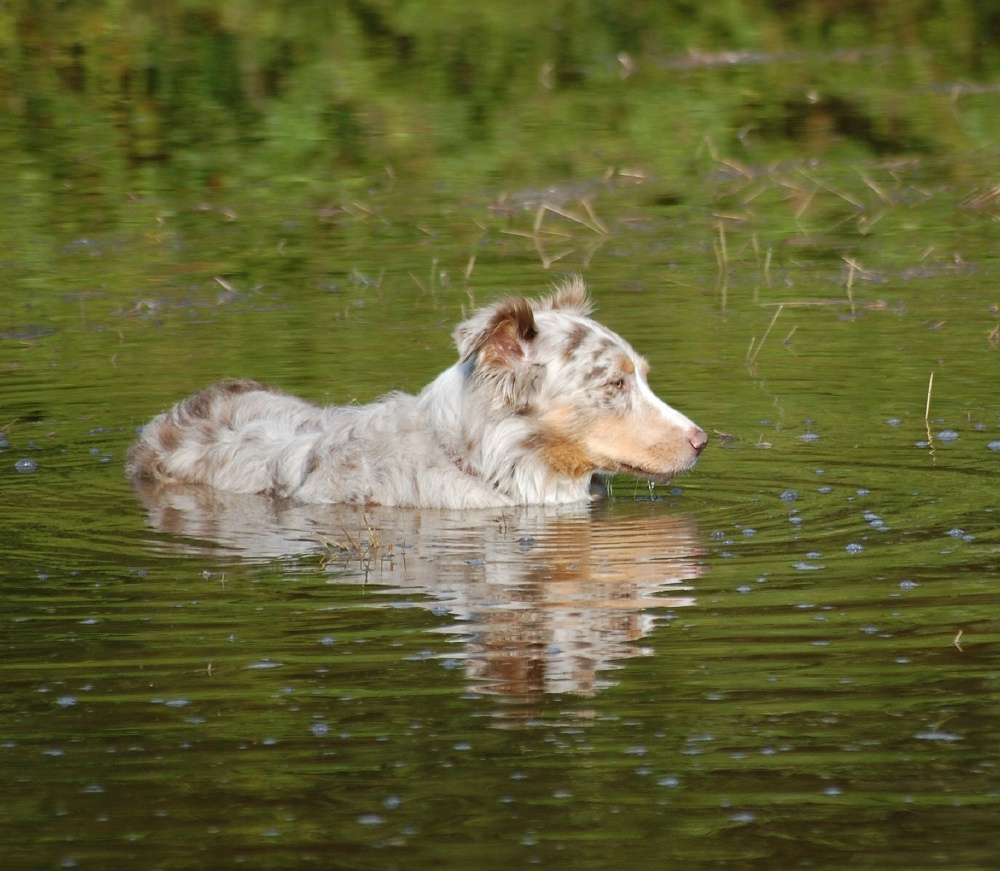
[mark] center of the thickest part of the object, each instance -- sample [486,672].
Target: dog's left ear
[500,334]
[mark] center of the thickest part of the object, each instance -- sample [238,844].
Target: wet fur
[541,398]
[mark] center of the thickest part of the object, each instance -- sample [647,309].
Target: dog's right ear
[499,335]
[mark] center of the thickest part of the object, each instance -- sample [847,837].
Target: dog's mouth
[654,477]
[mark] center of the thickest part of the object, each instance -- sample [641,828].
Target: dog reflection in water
[541,399]
[546,599]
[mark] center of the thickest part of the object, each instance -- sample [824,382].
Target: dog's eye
[618,384]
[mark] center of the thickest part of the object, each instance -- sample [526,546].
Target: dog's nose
[697,439]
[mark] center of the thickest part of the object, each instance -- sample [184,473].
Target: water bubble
[947,435]
[789,496]
[908,585]
[809,437]
[994,446]
[854,548]
[26,466]
[938,736]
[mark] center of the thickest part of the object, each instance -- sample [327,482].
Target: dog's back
[541,398]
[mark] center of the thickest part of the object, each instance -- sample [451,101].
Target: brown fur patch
[573,341]
[241,385]
[169,434]
[140,462]
[200,405]
[509,329]
[562,455]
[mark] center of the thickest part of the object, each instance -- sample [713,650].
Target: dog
[542,402]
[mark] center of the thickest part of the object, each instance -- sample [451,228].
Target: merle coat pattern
[541,399]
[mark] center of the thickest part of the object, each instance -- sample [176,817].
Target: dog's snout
[697,438]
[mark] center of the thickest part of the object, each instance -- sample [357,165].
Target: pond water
[788,657]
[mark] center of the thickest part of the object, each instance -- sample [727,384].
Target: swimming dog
[541,400]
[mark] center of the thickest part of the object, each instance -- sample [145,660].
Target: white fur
[541,398]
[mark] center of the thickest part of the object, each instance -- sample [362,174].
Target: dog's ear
[571,296]
[500,334]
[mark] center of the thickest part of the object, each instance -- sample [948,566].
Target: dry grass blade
[881,194]
[983,200]
[853,266]
[595,222]
[827,187]
[365,552]
[752,358]
[594,225]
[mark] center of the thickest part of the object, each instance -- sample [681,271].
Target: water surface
[786,658]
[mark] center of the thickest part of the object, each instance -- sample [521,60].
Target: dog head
[579,389]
